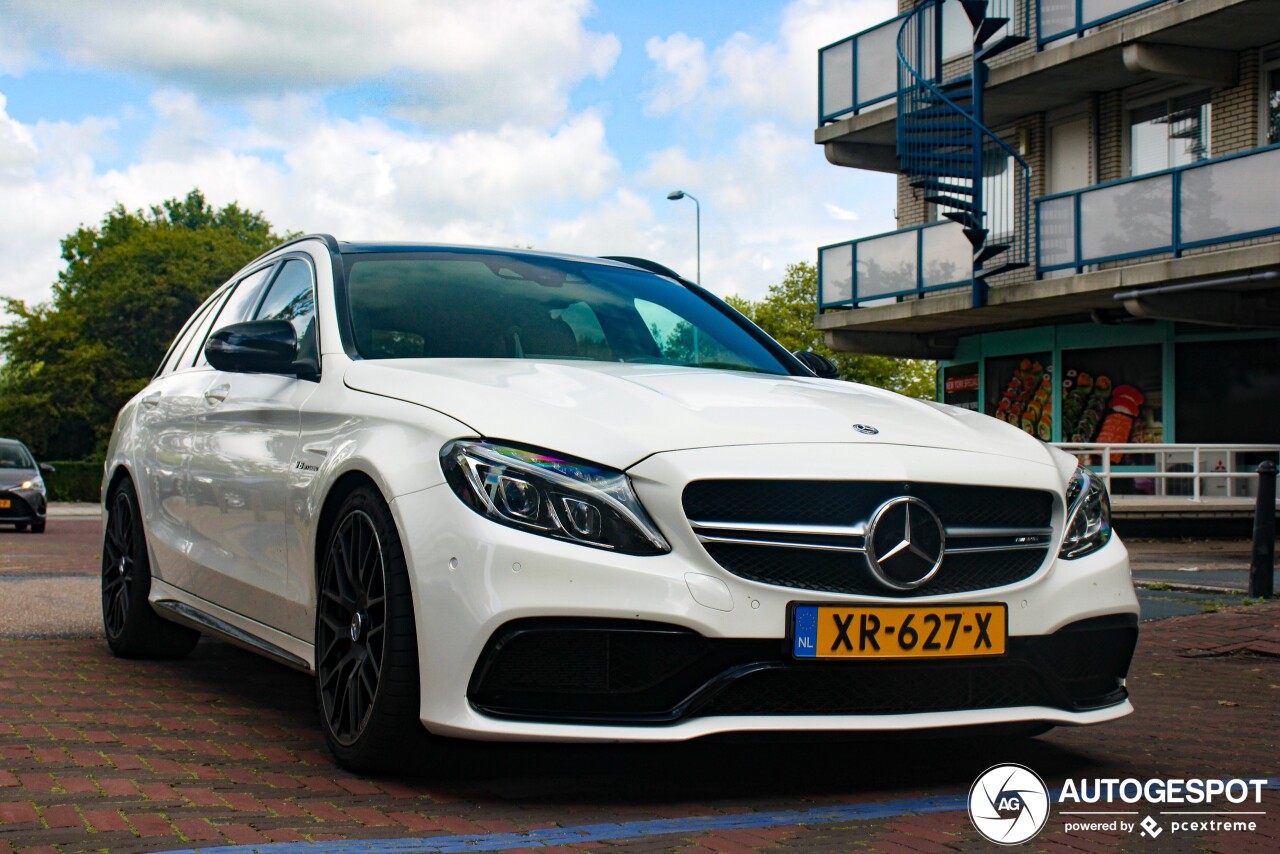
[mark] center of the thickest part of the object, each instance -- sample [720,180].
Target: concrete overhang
[1071,70]
[930,328]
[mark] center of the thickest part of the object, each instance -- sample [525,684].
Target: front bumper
[475,581]
[25,507]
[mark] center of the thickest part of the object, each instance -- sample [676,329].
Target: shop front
[1152,383]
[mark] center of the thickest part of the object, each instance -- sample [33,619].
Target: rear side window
[292,297]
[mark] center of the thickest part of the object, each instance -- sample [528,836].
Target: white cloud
[842,214]
[773,77]
[480,61]
[681,72]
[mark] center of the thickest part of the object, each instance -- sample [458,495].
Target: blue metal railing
[909,262]
[842,90]
[1200,204]
[1058,18]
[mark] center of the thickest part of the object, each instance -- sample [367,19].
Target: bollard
[1262,569]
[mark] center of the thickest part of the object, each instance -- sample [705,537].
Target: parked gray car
[22,492]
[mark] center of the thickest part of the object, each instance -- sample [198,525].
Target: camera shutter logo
[1009,804]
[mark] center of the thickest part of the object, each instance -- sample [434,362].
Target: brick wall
[1233,121]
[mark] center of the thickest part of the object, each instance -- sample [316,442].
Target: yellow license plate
[4,504]
[898,631]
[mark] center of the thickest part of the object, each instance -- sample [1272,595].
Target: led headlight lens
[36,483]
[1088,515]
[545,494]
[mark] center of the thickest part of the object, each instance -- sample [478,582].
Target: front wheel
[366,646]
[133,630]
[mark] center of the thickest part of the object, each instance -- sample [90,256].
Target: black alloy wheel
[133,630]
[352,630]
[117,565]
[366,645]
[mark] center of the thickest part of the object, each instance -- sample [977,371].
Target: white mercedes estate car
[504,494]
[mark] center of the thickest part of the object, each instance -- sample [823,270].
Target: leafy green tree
[787,313]
[69,364]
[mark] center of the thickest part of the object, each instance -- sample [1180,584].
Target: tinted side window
[292,297]
[237,307]
[183,342]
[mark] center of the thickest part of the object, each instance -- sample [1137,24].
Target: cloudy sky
[560,124]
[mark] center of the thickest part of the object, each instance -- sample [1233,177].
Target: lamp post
[677,195]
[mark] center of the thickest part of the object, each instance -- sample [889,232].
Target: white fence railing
[1193,472]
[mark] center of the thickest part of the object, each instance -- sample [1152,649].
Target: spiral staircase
[973,176]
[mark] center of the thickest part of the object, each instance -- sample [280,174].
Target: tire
[132,629]
[20,527]
[38,527]
[366,645]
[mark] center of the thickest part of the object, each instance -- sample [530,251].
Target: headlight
[544,494]
[36,483]
[1088,515]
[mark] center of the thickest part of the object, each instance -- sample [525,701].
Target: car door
[164,419]
[246,433]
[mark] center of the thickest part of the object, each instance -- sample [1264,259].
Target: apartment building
[1088,216]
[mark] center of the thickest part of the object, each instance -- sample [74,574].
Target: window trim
[280,261]
[1268,61]
[172,361]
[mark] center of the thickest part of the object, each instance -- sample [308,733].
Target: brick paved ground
[221,748]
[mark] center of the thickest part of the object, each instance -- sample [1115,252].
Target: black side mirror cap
[45,468]
[819,365]
[254,347]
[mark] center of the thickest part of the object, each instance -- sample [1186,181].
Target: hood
[618,414]
[10,478]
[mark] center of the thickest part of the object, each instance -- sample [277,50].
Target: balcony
[890,267]
[1201,204]
[1056,19]
[859,71]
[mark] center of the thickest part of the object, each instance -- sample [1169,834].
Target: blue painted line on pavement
[552,836]
[599,832]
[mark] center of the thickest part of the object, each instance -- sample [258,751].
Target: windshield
[481,305]
[14,456]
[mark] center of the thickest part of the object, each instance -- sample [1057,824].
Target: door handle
[217,394]
[151,400]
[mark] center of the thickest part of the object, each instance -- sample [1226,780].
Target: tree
[787,313]
[129,285]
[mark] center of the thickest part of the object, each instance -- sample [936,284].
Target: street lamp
[677,195]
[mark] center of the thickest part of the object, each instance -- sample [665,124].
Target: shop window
[1171,132]
[1228,391]
[1019,392]
[960,385]
[1113,395]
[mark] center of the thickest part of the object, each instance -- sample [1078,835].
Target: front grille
[634,672]
[17,509]
[811,535]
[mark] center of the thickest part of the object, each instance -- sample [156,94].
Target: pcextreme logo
[1008,804]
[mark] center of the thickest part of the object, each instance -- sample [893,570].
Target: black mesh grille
[826,502]
[880,689]
[17,509]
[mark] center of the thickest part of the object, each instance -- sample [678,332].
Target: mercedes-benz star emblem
[866,429]
[905,543]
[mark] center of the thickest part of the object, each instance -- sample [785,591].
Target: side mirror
[818,364]
[45,468]
[254,347]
